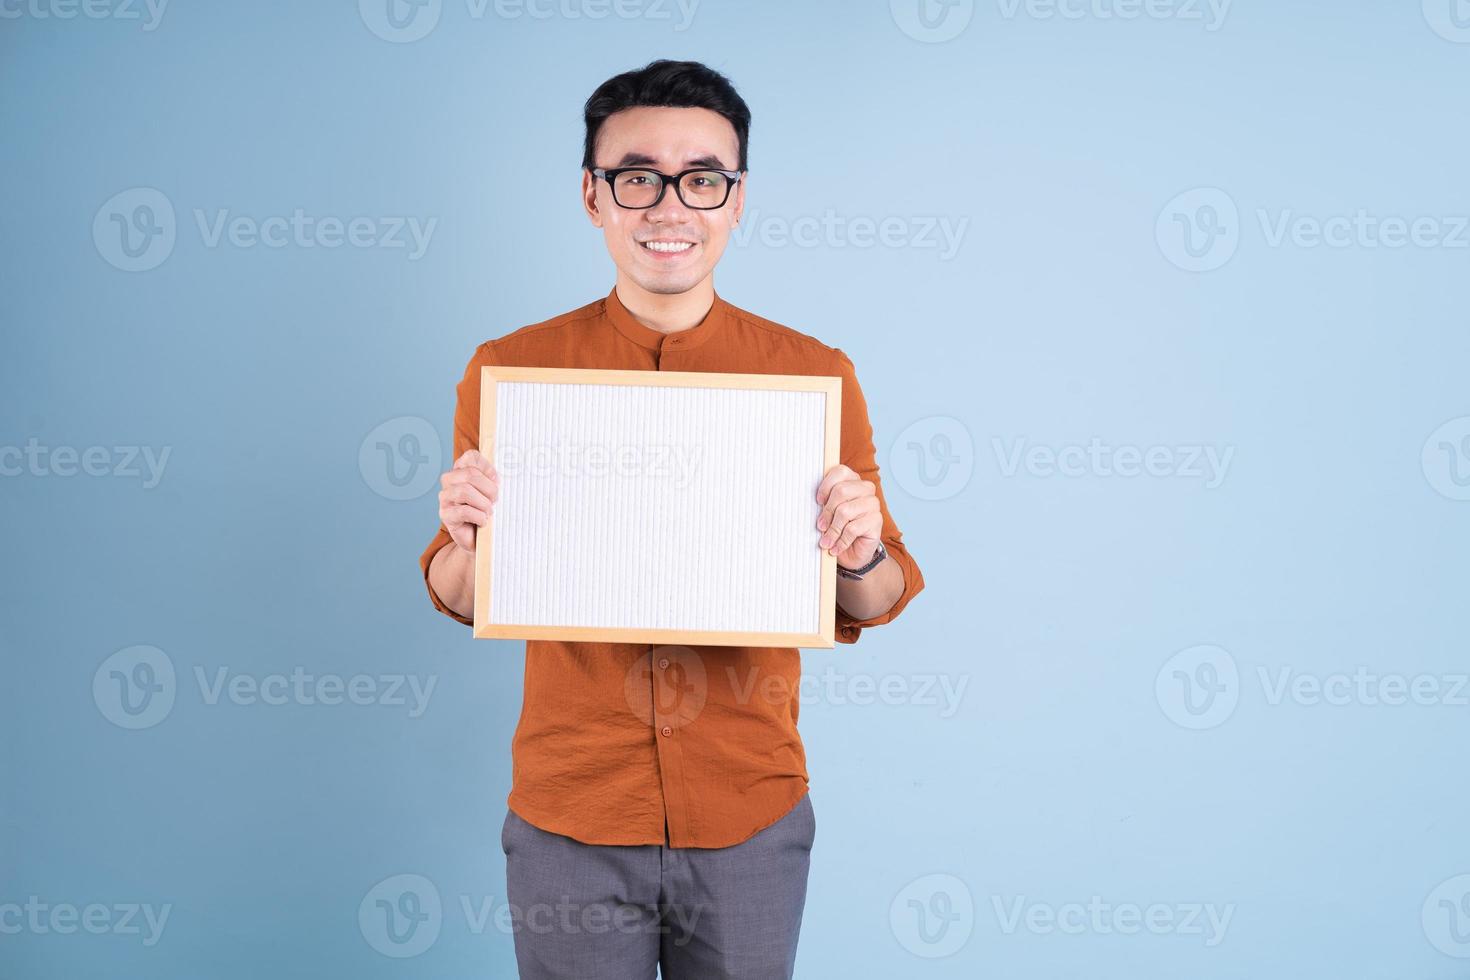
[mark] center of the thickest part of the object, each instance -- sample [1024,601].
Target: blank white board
[656,507]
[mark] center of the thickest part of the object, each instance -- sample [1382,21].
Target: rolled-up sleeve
[466,437]
[858,454]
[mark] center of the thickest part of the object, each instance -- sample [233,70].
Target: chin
[671,285]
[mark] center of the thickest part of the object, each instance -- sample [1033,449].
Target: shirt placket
[669,672]
[671,718]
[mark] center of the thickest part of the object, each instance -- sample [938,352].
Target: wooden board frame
[831,387]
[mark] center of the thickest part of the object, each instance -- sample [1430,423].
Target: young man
[659,813]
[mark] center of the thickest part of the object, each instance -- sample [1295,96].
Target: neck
[667,312]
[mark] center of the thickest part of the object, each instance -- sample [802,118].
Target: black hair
[676,84]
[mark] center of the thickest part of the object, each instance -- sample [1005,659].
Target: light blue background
[1055,600]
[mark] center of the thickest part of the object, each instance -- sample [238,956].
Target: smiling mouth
[666,247]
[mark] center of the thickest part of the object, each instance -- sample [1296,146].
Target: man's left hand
[850,519]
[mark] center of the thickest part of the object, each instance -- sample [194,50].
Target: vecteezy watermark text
[135,230]
[626,460]
[943,234]
[136,688]
[1201,229]
[403,915]
[1209,13]
[1363,229]
[150,12]
[406,21]
[935,21]
[123,462]
[1102,918]
[1098,459]
[941,691]
[40,918]
[301,687]
[1201,686]
[303,230]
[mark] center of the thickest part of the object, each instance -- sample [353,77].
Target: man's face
[667,140]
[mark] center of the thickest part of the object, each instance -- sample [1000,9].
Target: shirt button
[667,731]
[664,663]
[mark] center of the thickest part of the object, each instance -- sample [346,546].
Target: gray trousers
[593,912]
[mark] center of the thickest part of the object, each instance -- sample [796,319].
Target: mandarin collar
[644,336]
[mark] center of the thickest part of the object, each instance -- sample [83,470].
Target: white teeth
[668,246]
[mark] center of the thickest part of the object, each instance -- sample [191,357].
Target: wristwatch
[857,573]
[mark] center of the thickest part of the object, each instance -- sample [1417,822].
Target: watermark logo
[1199,230]
[944,692]
[150,12]
[933,458]
[135,687]
[1190,461]
[305,231]
[1445,459]
[667,688]
[1102,918]
[40,918]
[1362,229]
[1450,19]
[622,460]
[400,21]
[402,458]
[1362,687]
[406,21]
[134,230]
[933,916]
[401,916]
[1210,13]
[942,234]
[404,915]
[124,462]
[307,689]
[932,21]
[1446,917]
[1198,687]
[566,917]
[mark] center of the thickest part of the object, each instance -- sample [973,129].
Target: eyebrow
[644,160]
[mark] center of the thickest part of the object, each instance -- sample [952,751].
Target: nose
[670,210]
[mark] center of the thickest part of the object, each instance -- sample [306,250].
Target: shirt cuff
[848,629]
[440,540]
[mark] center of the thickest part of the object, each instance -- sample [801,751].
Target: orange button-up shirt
[632,743]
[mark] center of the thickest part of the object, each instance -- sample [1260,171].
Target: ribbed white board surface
[644,506]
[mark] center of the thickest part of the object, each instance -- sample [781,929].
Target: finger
[836,494]
[487,485]
[836,523]
[474,477]
[457,514]
[474,459]
[862,527]
[463,493]
[834,476]
[843,515]
[841,493]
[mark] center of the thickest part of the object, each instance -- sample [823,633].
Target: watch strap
[857,573]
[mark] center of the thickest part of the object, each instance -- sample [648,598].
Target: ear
[589,198]
[739,202]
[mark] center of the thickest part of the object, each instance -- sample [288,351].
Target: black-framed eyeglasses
[638,188]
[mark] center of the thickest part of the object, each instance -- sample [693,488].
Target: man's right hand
[470,490]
